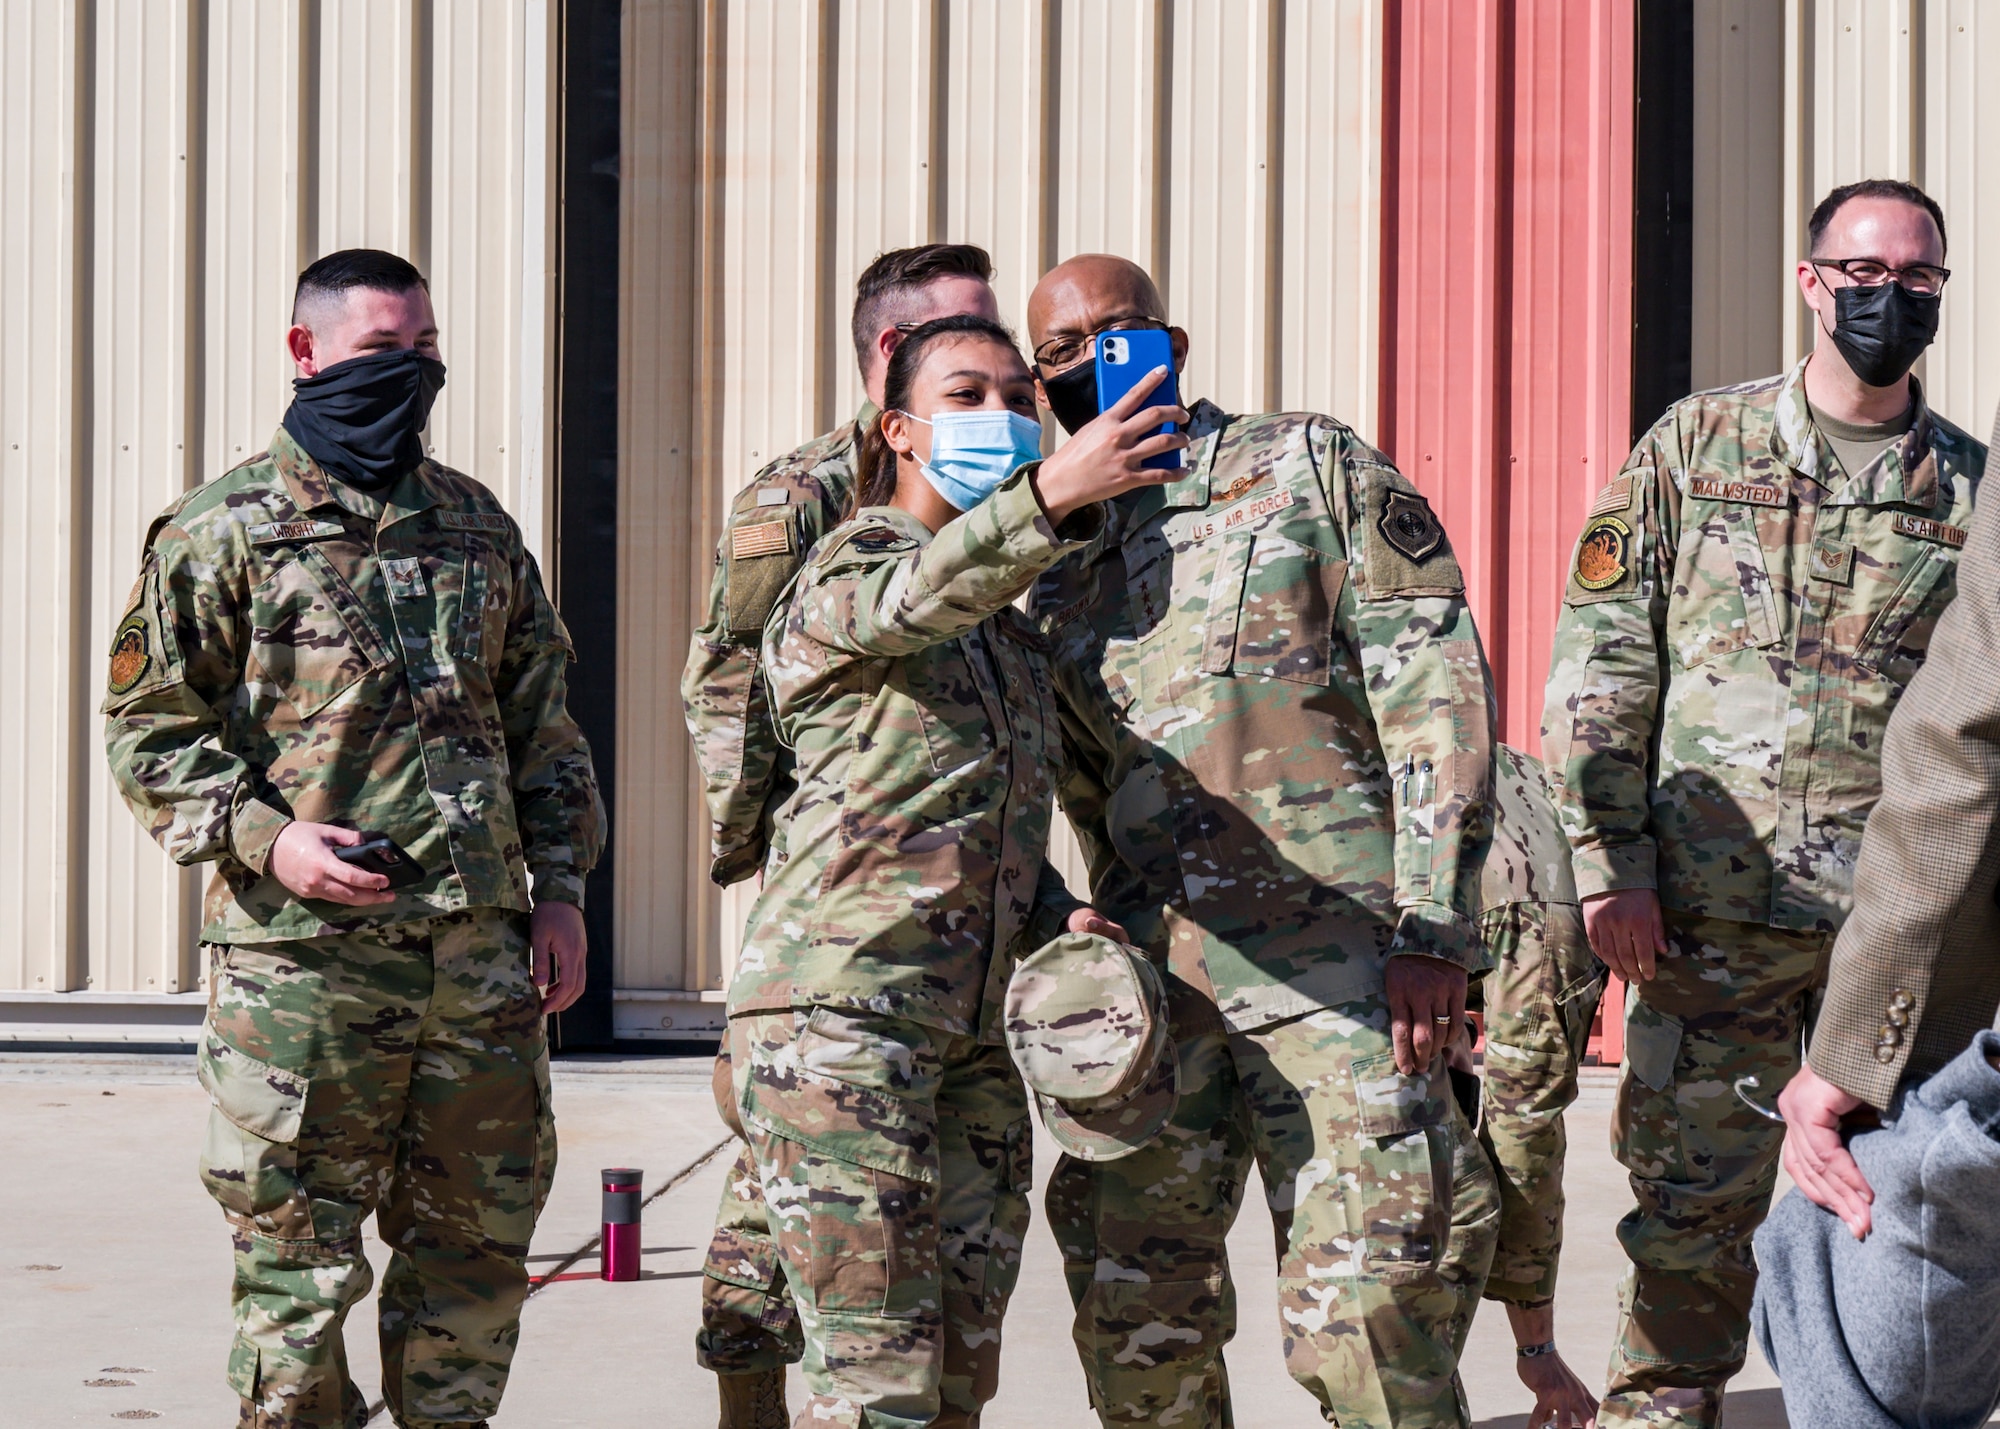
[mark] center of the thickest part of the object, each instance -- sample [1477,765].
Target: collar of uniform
[1204,428]
[903,521]
[312,488]
[1905,473]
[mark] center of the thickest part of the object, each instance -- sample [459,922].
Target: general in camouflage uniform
[1741,615]
[890,1128]
[749,1326]
[1278,723]
[298,649]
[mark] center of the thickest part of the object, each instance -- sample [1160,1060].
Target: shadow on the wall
[1746,1409]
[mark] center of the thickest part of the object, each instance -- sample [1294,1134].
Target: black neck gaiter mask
[363,419]
[1882,330]
[1073,396]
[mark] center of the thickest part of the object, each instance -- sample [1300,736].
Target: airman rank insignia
[1602,556]
[1408,525]
[131,654]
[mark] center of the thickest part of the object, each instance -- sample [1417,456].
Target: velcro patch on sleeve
[1406,546]
[278,533]
[760,538]
[1925,529]
[1616,496]
[472,521]
[1606,566]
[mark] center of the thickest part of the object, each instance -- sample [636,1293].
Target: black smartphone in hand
[378,853]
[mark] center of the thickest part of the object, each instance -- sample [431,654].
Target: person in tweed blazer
[1915,974]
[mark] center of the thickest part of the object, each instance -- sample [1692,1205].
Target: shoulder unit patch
[1408,525]
[131,655]
[1603,556]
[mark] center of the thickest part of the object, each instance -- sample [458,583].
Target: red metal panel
[1507,277]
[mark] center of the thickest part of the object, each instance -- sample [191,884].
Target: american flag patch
[1616,496]
[760,538]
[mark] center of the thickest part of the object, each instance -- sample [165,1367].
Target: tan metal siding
[46,738]
[166,166]
[1790,103]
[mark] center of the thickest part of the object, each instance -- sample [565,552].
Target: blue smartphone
[1123,360]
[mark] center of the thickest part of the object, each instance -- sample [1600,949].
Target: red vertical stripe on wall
[1507,294]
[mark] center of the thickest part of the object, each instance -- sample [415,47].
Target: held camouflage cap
[1087,1026]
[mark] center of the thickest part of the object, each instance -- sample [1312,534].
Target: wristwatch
[1535,1352]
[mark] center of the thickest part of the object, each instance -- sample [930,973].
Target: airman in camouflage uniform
[1278,721]
[749,1328]
[889,1126]
[297,649]
[1538,1002]
[1741,615]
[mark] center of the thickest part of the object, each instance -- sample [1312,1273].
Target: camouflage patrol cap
[1087,1025]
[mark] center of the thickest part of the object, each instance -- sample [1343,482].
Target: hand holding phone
[1114,452]
[378,853]
[1123,359]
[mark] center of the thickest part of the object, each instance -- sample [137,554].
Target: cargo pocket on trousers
[1652,1044]
[1400,1201]
[249,1162]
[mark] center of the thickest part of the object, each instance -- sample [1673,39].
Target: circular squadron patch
[131,655]
[1602,553]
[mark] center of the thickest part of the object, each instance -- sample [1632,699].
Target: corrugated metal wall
[1412,213]
[166,167]
[1792,100]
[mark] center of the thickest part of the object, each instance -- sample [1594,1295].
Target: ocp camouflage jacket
[297,650]
[921,712]
[1740,618]
[1278,719]
[773,522]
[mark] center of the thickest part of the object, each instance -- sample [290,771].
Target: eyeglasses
[1060,352]
[1924,278]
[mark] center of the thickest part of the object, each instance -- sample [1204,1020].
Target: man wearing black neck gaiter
[343,647]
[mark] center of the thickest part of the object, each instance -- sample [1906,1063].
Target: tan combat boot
[754,1401]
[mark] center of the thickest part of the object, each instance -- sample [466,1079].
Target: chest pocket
[1271,601]
[947,682]
[1724,601]
[473,601]
[1899,637]
[310,635]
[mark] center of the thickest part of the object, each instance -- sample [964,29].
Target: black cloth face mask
[1882,330]
[1073,396]
[363,419]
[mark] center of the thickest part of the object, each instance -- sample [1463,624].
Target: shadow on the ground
[1743,1409]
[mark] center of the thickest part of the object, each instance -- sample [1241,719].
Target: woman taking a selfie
[890,1127]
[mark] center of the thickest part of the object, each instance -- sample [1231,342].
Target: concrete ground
[114,1267]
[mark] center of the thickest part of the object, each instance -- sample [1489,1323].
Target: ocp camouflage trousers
[748,1321]
[895,1161]
[1730,1000]
[1358,1162]
[400,1071]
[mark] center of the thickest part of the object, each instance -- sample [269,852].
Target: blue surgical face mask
[973,452]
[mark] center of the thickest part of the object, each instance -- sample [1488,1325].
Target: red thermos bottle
[620,1246]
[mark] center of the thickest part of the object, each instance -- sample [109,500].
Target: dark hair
[1870,188]
[875,474]
[328,279]
[883,291]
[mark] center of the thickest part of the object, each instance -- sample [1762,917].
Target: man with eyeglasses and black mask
[1747,600]
[1278,721]
[342,647]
